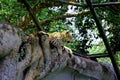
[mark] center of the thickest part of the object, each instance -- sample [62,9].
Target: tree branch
[40,59]
[44,3]
[67,15]
[37,7]
[85,5]
[36,21]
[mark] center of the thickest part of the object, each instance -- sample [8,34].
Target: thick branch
[38,62]
[93,69]
[31,61]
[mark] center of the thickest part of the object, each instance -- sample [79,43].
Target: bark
[28,67]
[39,59]
[9,44]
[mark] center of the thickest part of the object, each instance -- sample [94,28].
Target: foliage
[11,11]
[83,27]
[117,55]
[97,48]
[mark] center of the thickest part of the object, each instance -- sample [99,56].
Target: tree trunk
[9,45]
[36,59]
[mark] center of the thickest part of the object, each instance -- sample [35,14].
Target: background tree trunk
[9,45]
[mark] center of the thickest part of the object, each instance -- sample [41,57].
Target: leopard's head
[67,36]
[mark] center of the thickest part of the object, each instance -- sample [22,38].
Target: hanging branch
[32,15]
[37,7]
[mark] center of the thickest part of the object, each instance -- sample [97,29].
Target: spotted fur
[57,39]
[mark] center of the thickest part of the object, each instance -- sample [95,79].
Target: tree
[37,57]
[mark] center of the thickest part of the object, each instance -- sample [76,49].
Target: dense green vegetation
[85,33]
